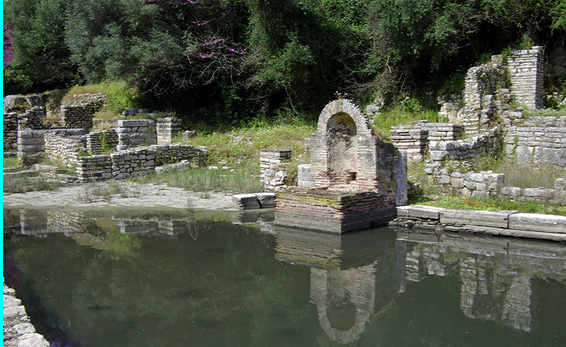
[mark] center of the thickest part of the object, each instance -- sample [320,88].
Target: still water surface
[203,279]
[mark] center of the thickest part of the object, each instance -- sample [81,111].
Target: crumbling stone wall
[173,153]
[167,129]
[131,163]
[273,166]
[31,119]
[539,140]
[10,133]
[94,168]
[462,150]
[132,133]
[79,112]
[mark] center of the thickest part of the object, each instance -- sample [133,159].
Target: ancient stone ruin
[358,179]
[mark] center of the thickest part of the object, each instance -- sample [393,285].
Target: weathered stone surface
[304,174]
[419,212]
[473,217]
[538,222]
[245,202]
[266,200]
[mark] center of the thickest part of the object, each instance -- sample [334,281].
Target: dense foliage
[228,60]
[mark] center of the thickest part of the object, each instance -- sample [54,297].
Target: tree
[41,59]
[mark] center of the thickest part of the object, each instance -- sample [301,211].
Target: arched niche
[341,144]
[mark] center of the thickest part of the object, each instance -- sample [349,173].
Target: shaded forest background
[225,61]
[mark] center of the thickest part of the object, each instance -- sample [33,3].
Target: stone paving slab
[475,217]
[538,222]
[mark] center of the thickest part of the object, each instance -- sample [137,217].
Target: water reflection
[352,276]
[355,285]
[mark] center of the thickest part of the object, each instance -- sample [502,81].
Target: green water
[202,279]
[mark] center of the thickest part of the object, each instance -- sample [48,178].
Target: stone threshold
[503,223]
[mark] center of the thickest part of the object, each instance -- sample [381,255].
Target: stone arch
[344,106]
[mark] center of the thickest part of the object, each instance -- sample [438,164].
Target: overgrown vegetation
[227,61]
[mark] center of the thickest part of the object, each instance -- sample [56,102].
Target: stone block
[419,211]
[538,222]
[245,202]
[473,217]
[266,200]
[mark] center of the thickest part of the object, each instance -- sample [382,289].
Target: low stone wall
[18,331]
[412,138]
[132,133]
[273,166]
[540,140]
[167,128]
[133,162]
[94,168]
[31,119]
[505,223]
[173,153]
[97,141]
[62,148]
[461,149]
[484,185]
[31,143]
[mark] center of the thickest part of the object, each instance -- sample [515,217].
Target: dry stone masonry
[167,129]
[79,112]
[132,133]
[273,166]
[98,141]
[134,162]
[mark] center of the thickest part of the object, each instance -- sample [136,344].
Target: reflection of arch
[349,291]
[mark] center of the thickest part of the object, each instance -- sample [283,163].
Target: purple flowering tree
[8,47]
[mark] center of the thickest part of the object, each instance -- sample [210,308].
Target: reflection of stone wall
[496,274]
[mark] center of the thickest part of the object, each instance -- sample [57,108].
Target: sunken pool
[125,278]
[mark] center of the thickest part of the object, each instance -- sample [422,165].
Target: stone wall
[526,71]
[132,133]
[31,119]
[97,141]
[462,150]
[62,148]
[94,168]
[488,184]
[173,153]
[133,162]
[79,111]
[31,143]
[412,138]
[10,133]
[273,166]
[539,140]
[167,129]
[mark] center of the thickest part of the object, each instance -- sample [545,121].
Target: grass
[403,114]
[205,180]
[22,184]
[240,148]
[492,204]
[119,96]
